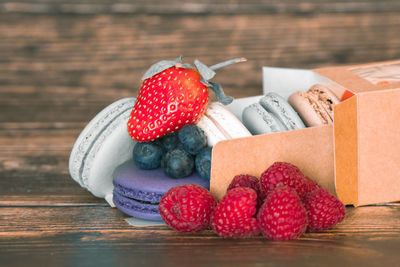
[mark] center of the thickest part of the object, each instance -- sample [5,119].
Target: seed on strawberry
[234,216]
[173,95]
[282,216]
[166,102]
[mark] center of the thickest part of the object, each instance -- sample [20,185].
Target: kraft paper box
[357,158]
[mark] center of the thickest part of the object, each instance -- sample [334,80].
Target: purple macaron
[138,192]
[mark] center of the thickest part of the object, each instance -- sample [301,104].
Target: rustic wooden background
[63,61]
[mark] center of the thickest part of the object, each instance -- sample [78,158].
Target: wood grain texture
[99,235]
[60,68]
[196,7]
[62,61]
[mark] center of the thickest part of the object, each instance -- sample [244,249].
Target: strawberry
[173,95]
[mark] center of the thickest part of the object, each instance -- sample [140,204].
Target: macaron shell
[149,185]
[259,121]
[319,106]
[90,133]
[226,122]
[211,131]
[113,147]
[279,107]
[134,186]
[305,109]
[326,93]
[325,98]
[137,209]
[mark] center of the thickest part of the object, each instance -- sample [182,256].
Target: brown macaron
[315,106]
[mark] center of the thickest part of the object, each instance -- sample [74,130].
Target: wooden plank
[34,165]
[99,235]
[65,68]
[196,7]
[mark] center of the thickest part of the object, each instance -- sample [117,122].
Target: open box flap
[365,77]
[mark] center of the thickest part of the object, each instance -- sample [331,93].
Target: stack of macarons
[102,162]
[272,113]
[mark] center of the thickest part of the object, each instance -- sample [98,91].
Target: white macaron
[218,124]
[103,145]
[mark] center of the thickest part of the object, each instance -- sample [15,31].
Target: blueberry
[203,163]
[169,141]
[147,155]
[177,163]
[192,138]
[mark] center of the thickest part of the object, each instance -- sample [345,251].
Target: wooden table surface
[62,61]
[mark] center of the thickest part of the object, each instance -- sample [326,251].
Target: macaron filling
[136,208]
[138,195]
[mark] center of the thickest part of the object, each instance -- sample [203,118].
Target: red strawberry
[172,95]
[235,214]
[187,208]
[324,210]
[284,173]
[166,102]
[282,216]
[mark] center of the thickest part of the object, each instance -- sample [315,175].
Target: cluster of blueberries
[177,153]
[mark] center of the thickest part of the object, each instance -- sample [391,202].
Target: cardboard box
[357,158]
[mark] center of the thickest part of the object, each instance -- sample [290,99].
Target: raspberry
[311,185]
[283,173]
[187,208]
[324,210]
[246,180]
[282,216]
[234,215]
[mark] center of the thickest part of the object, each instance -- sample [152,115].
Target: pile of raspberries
[282,205]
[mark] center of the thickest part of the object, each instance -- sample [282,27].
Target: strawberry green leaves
[204,70]
[206,73]
[219,93]
[160,66]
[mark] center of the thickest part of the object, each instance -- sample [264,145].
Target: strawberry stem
[227,63]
